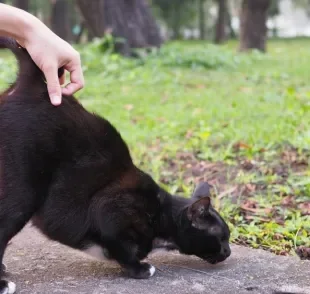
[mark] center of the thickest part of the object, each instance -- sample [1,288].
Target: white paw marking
[11,288]
[152,270]
[96,252]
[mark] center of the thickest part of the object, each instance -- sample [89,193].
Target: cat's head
[201,230]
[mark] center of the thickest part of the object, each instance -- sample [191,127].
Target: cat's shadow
[167,263]
[173,260]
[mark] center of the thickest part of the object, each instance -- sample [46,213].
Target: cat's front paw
[143,271]
[7,287]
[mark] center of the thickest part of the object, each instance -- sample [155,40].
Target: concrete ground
[37,265]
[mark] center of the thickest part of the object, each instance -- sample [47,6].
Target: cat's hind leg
[16,208]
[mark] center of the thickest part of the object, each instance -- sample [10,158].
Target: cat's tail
[29,75]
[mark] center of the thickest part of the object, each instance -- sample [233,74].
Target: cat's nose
[226,251]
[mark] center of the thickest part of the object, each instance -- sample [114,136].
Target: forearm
[17,23]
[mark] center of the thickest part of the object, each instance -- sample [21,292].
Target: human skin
[47,50]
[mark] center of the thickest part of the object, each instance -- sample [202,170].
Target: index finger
[53,85]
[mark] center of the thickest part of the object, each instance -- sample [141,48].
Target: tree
[273,11]
[253,28]
[305,4]
[130,20]
[176,19]
[232,33]
[22,4]
[178,14]
[60,20]
[202,18]
[221,23]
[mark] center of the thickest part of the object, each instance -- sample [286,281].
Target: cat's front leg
[125,253]
[140,270]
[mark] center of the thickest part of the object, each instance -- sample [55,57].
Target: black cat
[70,172]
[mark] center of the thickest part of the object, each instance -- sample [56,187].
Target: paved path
[37,265]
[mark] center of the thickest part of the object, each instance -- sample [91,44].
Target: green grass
[196,104]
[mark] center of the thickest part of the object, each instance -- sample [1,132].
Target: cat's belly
[97,252]
[61,235]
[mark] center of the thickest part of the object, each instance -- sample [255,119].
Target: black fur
[70,172]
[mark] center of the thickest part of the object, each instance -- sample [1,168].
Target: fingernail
[56,100]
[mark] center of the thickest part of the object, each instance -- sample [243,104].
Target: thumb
[53,85]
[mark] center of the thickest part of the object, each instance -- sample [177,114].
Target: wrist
[18,24]
[31,27]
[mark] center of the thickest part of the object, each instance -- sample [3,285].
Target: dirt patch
[246,178]
[247,184]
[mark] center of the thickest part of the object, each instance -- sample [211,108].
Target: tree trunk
[130,20]
[220,30]
[60,20]
[22,4]
[78,37]
[176,21]
[202,19]
[253,28]
[93,13]
[232,33]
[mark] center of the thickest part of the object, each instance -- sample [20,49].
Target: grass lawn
[198,111]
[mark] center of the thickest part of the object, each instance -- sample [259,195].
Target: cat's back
[31,121]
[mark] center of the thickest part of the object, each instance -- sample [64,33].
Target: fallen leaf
[277,236]
[303,252]
[164,98]
[227,192]
[189,134]
[251,217]
[288,201]
[246,90]
[128,107]
[247,164]
[195,86]
[197,111]
[249,205]
[240,145]
[305,208]
[250,187]
[161,119]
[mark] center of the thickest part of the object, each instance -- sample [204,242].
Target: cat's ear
[198,211]
[202,190]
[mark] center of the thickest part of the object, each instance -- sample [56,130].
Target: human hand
[47,50]
[50,53]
